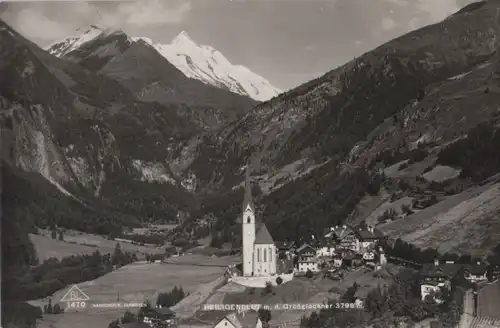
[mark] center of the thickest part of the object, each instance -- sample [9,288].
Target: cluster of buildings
[437,275]
[340,246]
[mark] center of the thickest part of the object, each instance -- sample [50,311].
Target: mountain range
[203,63]
[112,134]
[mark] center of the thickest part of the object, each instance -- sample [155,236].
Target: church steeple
[247,200]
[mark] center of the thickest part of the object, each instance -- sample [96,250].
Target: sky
[288,42]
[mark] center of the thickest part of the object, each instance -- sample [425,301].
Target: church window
[270,255]
[265,257]
[258,254]
[248,220]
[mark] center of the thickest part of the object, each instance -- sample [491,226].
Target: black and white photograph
[250,163]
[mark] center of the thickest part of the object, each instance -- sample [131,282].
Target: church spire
[247,200]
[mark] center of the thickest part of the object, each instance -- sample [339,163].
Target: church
[258,249]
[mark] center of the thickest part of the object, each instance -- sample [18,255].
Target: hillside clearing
[388,205]
[441,173]
[367,205]
[459,223]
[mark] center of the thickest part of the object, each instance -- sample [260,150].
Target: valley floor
[133,283]
[76,243]
[201,277]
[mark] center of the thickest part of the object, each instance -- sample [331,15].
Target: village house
[359,240]
[375,259]
[325,249]
[248,319]
[476,272]
[307,259]
[345,237]
[160,317]
[436,276]
[286,249]
[307,264]
[229,321]
[493,272]
[368,237]
[352,260]
[306,251]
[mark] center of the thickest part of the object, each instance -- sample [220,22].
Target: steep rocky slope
[90,138]
[336,111]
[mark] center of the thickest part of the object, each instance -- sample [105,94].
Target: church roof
[247,200]
[263,236]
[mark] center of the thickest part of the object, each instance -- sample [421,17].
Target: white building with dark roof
[230,320]
[307,259]
[476,272]
[258,249]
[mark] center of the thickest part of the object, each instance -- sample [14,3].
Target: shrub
[269,287]
[57,309]
[389,214]
[279,280]
[114,324]
[406,209]
[264,315]
[309,274]
[128,317]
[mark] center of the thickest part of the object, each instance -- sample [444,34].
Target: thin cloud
[398,2]
[437,10]
[153,12]
[388,24]
[55,20]
[34,24]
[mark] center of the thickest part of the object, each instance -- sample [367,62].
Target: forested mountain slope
[407,99]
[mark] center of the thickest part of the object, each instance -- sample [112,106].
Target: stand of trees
[390,157]
[409,252]
[477,154]
[153,239]
[171,298]
[326,194]
[53,274]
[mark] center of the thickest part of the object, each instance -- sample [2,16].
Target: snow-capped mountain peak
[183,39]
[201,62]
[81,37]
[210,66]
